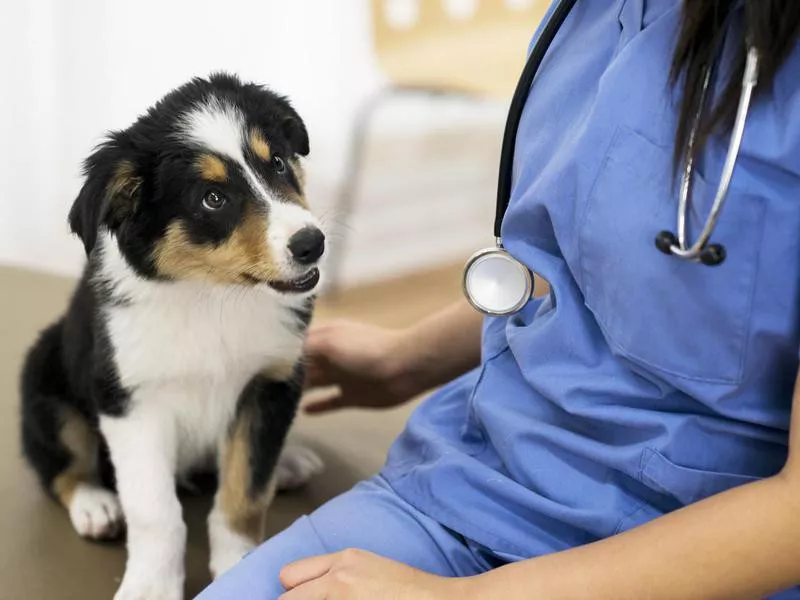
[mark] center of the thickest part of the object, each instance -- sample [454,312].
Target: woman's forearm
[440,347]
[446,344]
[741,544]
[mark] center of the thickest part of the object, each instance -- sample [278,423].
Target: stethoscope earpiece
[713,255]
[665,241]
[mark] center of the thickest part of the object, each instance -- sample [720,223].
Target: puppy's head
[208,186]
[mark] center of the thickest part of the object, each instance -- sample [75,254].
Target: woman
[626,436]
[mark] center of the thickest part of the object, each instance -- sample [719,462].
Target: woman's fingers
[316,375]
[313,590]
[324,401]
[305,570]
[319,351]
[320,339]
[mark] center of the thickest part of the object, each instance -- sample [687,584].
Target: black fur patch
[69,366]
[108,293]
[272,406]
[304,314]
[42,385]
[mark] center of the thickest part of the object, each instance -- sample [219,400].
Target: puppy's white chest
[187,351]
[217,338]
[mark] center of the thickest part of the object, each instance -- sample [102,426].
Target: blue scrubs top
[641,383]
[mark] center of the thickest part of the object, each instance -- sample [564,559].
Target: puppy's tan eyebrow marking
[211,168]
[259,145]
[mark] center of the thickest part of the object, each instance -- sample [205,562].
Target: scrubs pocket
[681,318]
[685,484]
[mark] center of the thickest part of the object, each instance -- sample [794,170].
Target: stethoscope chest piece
[496,283]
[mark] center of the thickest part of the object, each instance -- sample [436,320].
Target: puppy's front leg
[143,451]
[248,457]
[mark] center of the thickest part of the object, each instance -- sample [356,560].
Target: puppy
[181,347]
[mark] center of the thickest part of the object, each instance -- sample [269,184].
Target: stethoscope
[497,284]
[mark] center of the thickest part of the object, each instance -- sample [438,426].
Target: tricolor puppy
[181,347]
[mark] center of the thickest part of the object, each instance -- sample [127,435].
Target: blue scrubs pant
[370,517]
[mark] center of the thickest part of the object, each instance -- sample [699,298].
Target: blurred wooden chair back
[470,46]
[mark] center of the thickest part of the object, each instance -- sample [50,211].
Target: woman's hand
[369,365]
[360,575]
[379,368]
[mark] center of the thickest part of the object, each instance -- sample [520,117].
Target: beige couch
[42,558]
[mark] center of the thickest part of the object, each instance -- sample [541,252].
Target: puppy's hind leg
[62,446]
[296,466]
[95,511]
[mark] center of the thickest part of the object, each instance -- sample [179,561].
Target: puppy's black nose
[307,245]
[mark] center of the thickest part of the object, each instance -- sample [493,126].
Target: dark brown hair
[773,27]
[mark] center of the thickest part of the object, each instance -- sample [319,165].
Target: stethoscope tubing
[699,251]
[520,97]
[749,82]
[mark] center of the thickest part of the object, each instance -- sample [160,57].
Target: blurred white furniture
[474,49]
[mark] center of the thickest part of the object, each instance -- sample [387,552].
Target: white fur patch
[95,512]
[286,219]
[217,126]
[296,467]
[220,127]
[143,587]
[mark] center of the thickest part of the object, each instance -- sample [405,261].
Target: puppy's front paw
[157,587]
[296,466]
[227,546]
[227,554]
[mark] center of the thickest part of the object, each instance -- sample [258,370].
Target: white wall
[72,69]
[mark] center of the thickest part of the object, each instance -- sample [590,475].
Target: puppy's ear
[295,131]
[109,196]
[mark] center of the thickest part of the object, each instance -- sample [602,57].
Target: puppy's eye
[279,165]
[213,201]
